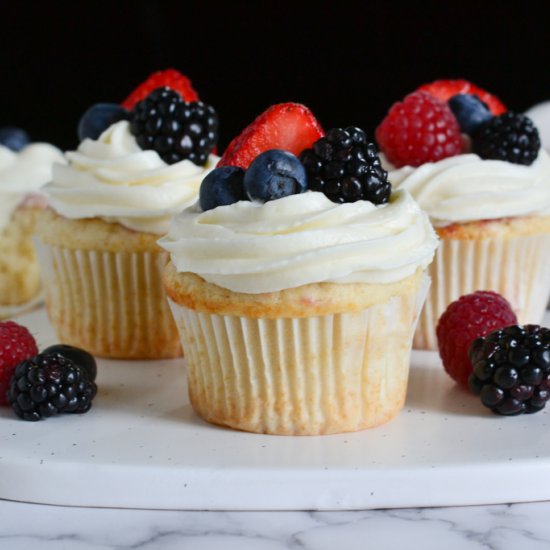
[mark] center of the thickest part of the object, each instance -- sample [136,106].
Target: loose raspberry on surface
[419,129]
[445,89]
[511,369]
[469,317]
[287,126]
[171,78]
[16,345]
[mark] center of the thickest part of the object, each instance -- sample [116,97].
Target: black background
[348,61]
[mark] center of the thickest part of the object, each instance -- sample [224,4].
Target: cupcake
[295,283]
[484,180]
[136,166]
[24,169]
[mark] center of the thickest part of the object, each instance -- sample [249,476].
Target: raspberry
[420,129]
[469,317]
[170,78]
[511,369]
[16,345]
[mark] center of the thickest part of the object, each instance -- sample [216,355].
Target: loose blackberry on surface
[175,129]
[464,320]
[49,384]
[510,137]
[346,167]
[81,358]
[511,369]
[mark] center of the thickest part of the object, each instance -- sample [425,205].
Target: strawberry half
[171,78]
[445,89]
[287,126]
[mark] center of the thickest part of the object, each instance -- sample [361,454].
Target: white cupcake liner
[300,376]
[111,303]
[518,268]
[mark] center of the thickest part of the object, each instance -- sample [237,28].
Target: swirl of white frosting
[24,173]
[465,188]
[252,247]
[112,178]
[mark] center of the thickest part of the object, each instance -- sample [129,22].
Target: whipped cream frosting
[112,178]
[465,188]
[23,174]
[252,247]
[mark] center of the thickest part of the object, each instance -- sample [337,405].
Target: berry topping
[174,128]
[222,186]
[169,78]
[274,174]
[346,167]
[13,138]
[511,137]
[466,319]
[98,118]
[287,126]
[445,89]
[419,129]
[79,357]
[16,344]
[470,112]
[511,369]
[49,384]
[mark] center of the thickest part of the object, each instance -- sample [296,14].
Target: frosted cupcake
[108,206]
[297,310]
[487,193]
[23,173]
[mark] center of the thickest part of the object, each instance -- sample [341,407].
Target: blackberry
[49,384]
[174,128]
[346,167]
[511,137]
[511,369]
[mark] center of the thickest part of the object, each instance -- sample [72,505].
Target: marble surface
[502,527]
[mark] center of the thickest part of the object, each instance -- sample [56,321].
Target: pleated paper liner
[110,303]
[300,376]
[517,267]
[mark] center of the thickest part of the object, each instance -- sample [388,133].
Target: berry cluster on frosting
[430,125]
[285,151]
[165,116]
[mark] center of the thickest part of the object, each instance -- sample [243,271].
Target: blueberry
[469,111]
[79,357]
[221,187]
[275,174]
[13,138]
[98,118]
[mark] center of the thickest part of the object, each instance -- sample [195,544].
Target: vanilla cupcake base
[104,290]
[318,373]
[19,271]
[510,256]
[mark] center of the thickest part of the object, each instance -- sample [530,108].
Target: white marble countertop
[503,527]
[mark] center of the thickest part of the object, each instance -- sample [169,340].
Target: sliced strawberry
[288,126]
[445,89]
[171,78]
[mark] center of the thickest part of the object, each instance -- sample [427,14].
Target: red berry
[445,89]
[466,319]
[171,78]
[420,129]
[287,126]
[16,345]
